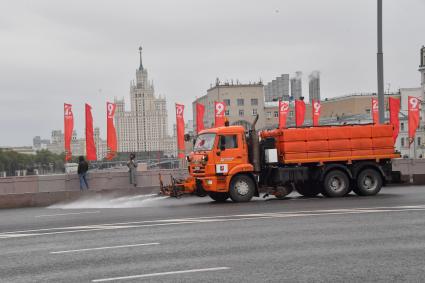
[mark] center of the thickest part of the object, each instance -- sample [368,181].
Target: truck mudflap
[179,187]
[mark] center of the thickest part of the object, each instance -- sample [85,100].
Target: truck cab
[220,161]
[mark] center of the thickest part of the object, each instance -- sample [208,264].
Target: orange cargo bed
[334,143]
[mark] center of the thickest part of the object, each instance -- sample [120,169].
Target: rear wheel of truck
[219,197]
[308,189]
[336,184]
[369,183]
[242,188]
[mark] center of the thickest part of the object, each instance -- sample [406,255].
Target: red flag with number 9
[219,111]
[111,137]
[413,116]
[315,112]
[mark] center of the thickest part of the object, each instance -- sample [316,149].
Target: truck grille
[198,169]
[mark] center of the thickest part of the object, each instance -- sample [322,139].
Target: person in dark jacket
[83,167]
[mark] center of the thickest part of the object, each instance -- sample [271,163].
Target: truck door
[230,152]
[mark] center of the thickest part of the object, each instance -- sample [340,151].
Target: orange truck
[227,162]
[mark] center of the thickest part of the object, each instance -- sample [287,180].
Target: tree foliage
[43,160]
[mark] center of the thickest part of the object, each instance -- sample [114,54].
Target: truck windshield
[204,142]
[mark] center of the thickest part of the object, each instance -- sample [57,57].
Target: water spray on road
[102,201]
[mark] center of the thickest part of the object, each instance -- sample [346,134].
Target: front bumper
[214,183]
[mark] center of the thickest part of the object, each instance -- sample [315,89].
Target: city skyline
[49,58]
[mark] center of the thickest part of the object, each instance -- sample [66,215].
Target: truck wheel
[218,197]
[308,189]
[242,188]
[336,184]
[282,192]
[369,183]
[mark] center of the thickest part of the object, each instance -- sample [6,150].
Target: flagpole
[414,148]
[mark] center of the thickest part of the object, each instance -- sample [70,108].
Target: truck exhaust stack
[255,146]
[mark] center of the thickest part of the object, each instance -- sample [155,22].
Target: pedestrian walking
[132,165]
[83,167]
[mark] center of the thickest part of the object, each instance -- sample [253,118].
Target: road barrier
[412,170]
[42,190]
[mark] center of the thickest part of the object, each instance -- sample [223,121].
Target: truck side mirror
[186,137]
[222,142]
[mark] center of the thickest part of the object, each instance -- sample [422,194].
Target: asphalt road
[140,239]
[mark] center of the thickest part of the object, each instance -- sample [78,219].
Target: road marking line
[103,248]
[186,220]
[8,236]
[180,221]
[64,214]
[160,274]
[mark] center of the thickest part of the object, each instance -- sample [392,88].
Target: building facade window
[419,141]
[227,102]
[254,101]
[276,114]
[402,142]
[402,126]
[227,112]
[241,113]
[291,113]
[269,115]
[254,112]
[240,102]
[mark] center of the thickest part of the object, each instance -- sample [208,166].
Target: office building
[296,86]
[277,89]
[314,86]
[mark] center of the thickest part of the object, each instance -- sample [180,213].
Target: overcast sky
[53,52]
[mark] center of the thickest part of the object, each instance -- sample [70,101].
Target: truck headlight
[209,182]
[204,159]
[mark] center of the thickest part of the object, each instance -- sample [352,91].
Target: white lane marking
[186,220]
[265,216]
[160,274]
[180,221]
[103,248]
[64,214]
[7,236]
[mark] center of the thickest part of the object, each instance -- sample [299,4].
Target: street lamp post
[380,61]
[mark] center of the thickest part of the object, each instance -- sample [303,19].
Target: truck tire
[336,184]
[369,183]
[242,188]
[219,197]
[308,189]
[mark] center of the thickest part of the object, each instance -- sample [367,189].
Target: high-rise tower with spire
[144,127]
